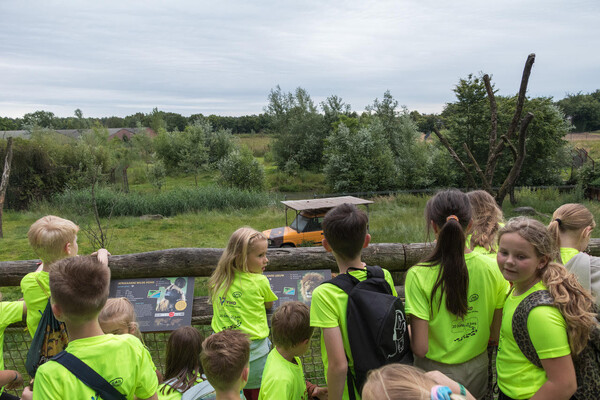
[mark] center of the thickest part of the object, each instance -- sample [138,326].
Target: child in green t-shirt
[225,358]
[52,238]
[79,287]
[283,377]
[10,312]
[240,295]
[345,235]
[487,219]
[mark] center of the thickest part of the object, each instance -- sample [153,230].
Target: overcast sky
[223,57]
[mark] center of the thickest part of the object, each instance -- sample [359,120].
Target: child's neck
[80,330]
[523,287]
[228,395]
[345,265]
[289,354]
[570,241]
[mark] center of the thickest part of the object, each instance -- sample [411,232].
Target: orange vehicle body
[306,228]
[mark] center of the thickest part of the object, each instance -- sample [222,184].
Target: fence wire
[17,340]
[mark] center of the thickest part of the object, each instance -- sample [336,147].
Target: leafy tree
[359,160]
[583,110]
[193,153]
[219,145]
[300,130]
[41,119]
[8,124]
[156,174]
[240,169]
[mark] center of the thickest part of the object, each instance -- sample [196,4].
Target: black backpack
[587,363]
[376,325]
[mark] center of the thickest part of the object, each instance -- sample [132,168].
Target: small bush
[239,169]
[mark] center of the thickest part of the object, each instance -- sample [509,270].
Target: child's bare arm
[338,364]
[102,255]
[419,340]
[11,379]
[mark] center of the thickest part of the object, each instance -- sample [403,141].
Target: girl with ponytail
[526,252]
[454,298]
[571,228]
[487,220]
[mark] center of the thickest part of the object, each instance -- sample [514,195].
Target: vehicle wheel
[287,245]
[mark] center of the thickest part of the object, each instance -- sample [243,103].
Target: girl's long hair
[234,258]
[397,381]
[569,217]
[450,211]
[183,359]
[574,302]
[486,220]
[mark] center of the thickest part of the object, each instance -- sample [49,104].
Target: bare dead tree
[497,147]
[5,176]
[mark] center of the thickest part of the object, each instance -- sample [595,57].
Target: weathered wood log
[397,258]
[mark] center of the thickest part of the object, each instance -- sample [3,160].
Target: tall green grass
[166,203]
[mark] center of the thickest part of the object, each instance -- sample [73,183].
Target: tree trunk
[125,180]
[5,177]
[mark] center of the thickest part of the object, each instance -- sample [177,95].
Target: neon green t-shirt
[517,377]
[243,307]
[35,297]
[120,359]
[172,394]
[566,253]
[328,310]
[482,251]
[453,340]
[282,379]
[10,312]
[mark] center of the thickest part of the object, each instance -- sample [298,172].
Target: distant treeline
[157,120]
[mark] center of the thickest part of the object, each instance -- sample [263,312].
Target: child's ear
[367,240]
[57,311]
[67,248]
[544,260]
[245,373]
[326,245]
[435,228]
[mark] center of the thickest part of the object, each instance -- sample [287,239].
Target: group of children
[459,299]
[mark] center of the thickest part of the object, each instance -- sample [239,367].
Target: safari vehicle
[306,228]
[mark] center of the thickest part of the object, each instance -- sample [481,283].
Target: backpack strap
[519,323]
[87,375]
[581,267]
[42,287]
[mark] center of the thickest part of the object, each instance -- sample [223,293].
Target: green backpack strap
[519,323]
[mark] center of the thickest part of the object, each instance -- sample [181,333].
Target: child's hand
[321,393]
[27,393]
[102,255]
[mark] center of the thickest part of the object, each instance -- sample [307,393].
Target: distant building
[76,133]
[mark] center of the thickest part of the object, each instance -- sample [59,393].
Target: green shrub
[240,170]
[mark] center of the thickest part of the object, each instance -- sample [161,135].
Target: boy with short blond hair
[52,238]
[345,235]
[225,359]
[79,287]
[283,377]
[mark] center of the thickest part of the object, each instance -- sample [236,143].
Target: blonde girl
[240,295]
[405,382]
[487,219]
[525,257]
[454,298]
[571,228]
[118,317]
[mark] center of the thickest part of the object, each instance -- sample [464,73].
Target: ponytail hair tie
[440,393]
[454,217]
[559,221]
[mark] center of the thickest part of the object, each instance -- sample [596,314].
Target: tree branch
[493,157]
[455,156]
[5,177]
[510,180]
[486,185]
[491,166]
[511,146]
